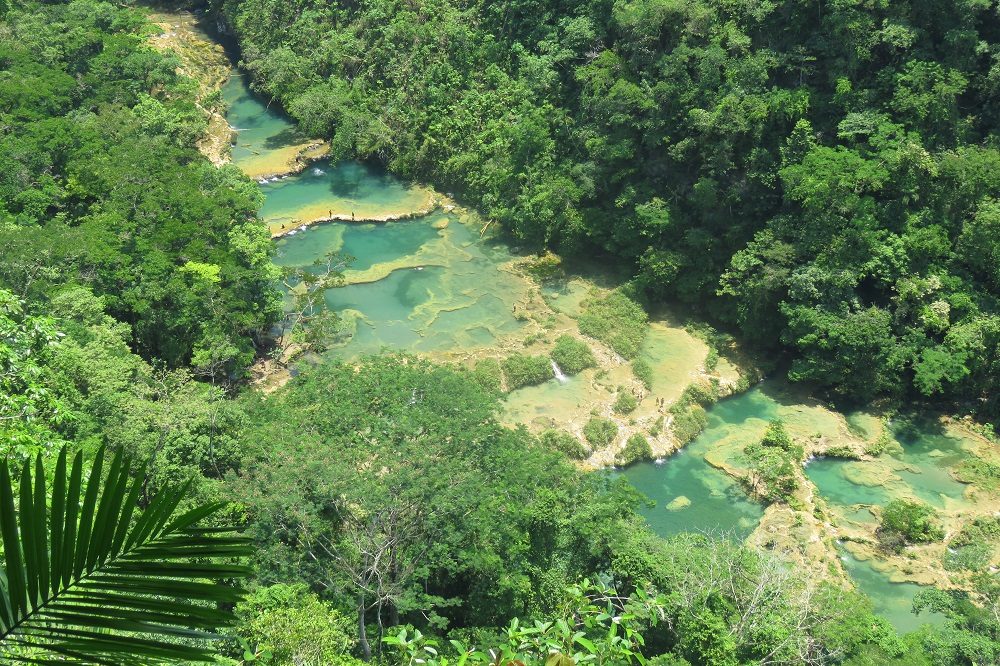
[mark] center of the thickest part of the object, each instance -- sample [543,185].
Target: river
[432,285]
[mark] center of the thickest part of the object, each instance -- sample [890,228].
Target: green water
[368,244]
[445,291]
[414,287]
[893,601]
[258,128]
[717,502]
[831,479]
[929,454]
[346,186]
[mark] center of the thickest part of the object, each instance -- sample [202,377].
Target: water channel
[431,284]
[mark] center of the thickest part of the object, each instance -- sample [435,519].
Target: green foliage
[714,582]
[625,403]
[643,371]
[600,432]
[94,575]
[104,188]
[979,471]
[489,374]
[616,320]
[774,464]
[881,444]
[572,355]
[973,557]
[395,456]
[593,625]
[824,182]
[522,370]
[688,421]
[636,449]
[564,442]
[905,522]
[287,625]
[30,407]
[689,415]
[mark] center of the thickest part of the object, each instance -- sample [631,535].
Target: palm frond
[89,577]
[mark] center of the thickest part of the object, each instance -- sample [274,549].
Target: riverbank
[205,62]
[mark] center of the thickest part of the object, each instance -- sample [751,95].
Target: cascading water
[557,371]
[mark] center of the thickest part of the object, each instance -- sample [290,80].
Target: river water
[432,284]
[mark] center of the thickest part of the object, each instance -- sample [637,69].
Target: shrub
[564,442]
[523,370]
[600,432]
[572,355]
[698,393]
[880,445]
[985,529]
[625,403]
[978,471]
[974,557]
[905,522]
[688,422]
[845,452]
[636,448]
[487,374]
[774,463]
[616,320]
[643,371]
[773,475]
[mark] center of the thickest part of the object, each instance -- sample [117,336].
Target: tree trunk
[366,649]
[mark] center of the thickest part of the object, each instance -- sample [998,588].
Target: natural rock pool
[433,284]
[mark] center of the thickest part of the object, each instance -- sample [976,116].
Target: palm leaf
[90,578]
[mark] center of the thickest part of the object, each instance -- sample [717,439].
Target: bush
[523,370]
[981,530]
[773,474]
[906,522]
[774,464]
[600,432]
[625,403]
[643,371]
[776,436]
[295,626]
[974,557]
[699,393]
[636,448]
[564,442]
[845,452]
[572,355]
[616,320]
[487,374]
[688,422]
[978,471]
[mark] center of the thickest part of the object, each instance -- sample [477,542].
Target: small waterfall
[559,373]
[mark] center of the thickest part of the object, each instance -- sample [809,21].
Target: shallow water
[894,601]
[367,244]
[264,136]
[324,190]
[717,503]
[412,287]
